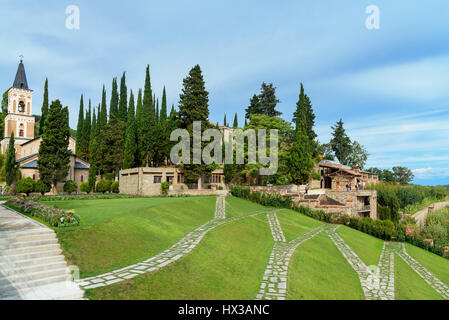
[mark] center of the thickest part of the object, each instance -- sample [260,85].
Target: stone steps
[33,268]
[28,243]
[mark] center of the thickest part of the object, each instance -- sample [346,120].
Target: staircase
[32,266]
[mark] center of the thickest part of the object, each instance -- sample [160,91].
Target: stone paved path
[220,208]
[425,274]
[274,282]
[378,282]
[178,250]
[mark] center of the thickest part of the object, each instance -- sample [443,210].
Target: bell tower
[19,119]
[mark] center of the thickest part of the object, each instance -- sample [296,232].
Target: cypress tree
[139,130]
[157,110]
[304,106]
[44,109]
[93,139]
[85,137]
[92,177]
[122,110]
[225,123]
[148,123]
[130,143]
[113,108]
[54,156]
[163,113]
[11,166]
[79,128]
[236,122]
[103,115]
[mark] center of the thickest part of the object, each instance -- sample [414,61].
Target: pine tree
[148,123]
[254,107]
[268,100]
[11,166]
[79,128]
[304,106]
[194,106]
[123,109]
[341,144]
[224,121]
[54,156]
[300,162]
[236,122]
[113,108]
[131,138]
[44,109]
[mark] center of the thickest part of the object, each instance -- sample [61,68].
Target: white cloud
[423,173]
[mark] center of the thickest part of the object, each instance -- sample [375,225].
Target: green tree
[268,100]
[113,107]
[110,146]
[341,144]
[403,175]
[225,123]
[103,115]
[84,187]
[79,128]
[85,136]
[139,130]
[123,103]
[44,109]
[104,186]
[3,113]
[253,108]
[11,166]
[147,124]
[26,186]
[304,107]
[131,137]
[54,156]
[236,122]
[41,187]
[194,106]
[70,186]
[358,155]
[92,179]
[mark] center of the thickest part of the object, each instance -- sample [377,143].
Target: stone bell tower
[19,119]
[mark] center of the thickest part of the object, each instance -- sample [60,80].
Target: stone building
[20,121]
[147,181]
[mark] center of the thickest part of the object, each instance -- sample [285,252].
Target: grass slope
[409,285]
[294,224]
[116,233]
[318,271]
[236,207]
[367,247]
[227,264]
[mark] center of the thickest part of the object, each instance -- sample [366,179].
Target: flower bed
[94,196]
[55,217]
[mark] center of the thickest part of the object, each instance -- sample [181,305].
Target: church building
[20,121]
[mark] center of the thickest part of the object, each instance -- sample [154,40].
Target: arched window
[34,177]
[21,131]
[21,106]
[82,178]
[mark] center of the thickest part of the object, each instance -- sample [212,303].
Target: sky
[389,85]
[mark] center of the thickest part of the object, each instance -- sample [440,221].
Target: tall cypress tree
[122,109]
[194,106]
[85,136]
[54,156]
[139,129]
[131,138]
[236,122]
[44,109]
[113,108]
[304,106]
[103,115]
[11,166]
[225,123]
[148,123]
[93,139]
[163,114]
[79,128]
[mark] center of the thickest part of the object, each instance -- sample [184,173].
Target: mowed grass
[367,247]
[318,271]
[228,263]
[409,285]
[116,233]
[294,224]
[236,207]
[439,266]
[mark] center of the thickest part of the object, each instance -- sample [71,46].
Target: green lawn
[318,271]
[409,285]
[367,247]
[294,224]
[238,207]
[117,233]
[228,263]
[439,266]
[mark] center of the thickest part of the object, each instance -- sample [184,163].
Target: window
[216,178]
[82,178]
[21,133]
[206,179]
[157,179]
[180,178]
[21,106]
[34,177]
[170,180]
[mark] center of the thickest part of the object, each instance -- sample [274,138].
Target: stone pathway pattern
[378,282]
[274,282]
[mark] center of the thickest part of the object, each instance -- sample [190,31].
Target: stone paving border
[178,250]
[220,208]
[376,285]
[426,275]
[274,282]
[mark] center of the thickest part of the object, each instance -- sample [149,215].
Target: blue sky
[390,86]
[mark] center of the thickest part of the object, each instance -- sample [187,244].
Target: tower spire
[20,82]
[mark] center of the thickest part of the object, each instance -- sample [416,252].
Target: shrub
[115,187]
[316,176]
[25,186]
[84,187]
[435,232]
[70,186]
[42,187]
[164,187]
[104,186]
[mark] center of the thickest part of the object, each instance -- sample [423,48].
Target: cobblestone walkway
[425,274]
[220,208]
[178,250]
[274,283]
[377,282]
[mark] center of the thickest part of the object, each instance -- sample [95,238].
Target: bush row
[55,217]
[383,229]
